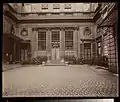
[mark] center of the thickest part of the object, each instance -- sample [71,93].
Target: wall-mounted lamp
[6,54]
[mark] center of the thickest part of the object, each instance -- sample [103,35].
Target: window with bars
[42,40]
[106,44]
[112,46]
[68,40]
[87,50]
[55,36]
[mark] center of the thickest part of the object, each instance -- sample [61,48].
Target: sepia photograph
[60,50]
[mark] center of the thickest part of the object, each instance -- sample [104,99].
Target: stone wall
[77,36]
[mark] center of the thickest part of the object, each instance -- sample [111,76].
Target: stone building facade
[59,29]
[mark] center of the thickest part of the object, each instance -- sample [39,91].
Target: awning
[9,35]
[25,41]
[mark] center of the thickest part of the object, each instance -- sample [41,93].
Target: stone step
[55,63]
[51,64]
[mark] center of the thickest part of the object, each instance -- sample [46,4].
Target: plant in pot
[73,59]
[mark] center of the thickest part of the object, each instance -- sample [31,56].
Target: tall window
[55,36]
[68,40]
[87,50]
[42,40]
[55,39]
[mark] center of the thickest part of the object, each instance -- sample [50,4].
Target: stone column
[91,49]
[25,54]
[78,42]
[19,52]
[96,48]
[34,42]
[22,54]
[62,42]
[29,52]
[82,49]
[14,52]
[48,44]
[75,40]
[102,45]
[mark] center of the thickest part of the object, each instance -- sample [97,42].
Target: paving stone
[54,81]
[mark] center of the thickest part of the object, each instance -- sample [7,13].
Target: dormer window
[44,6]
[67,6]
[56,6]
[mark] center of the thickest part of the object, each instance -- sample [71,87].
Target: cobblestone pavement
[59,81]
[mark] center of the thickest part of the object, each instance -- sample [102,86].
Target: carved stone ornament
[104,12]
[87,31]
[24,32]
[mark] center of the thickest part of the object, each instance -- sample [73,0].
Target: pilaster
[102,45]
[34,42]
[14,48]
[91,49]
[82,49]
[48,43]
[77,41]
[62,42]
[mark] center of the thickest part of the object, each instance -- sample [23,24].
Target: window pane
[68,45]
[68,40]
[87,50]
[55,36]
[41,35]
[87,45]
[68,35]
[41,45]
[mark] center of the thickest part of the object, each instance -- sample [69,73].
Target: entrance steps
[55,63]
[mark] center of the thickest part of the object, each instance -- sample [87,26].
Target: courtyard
[59,81]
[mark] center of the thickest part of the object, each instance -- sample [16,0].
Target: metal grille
[87,50]
[109,46]
[41,40]
[112,47]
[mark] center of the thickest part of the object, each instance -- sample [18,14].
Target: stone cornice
[8,14]
[54,27]
[109,13]
[57,21]
[86,40]
[10,10]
